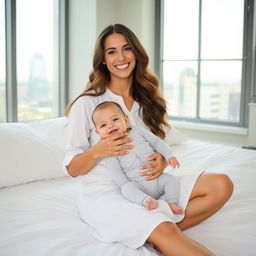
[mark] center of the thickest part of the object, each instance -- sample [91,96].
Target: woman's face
[118,56]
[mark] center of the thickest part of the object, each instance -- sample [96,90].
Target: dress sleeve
[78,130]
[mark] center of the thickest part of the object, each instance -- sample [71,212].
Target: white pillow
[31,152]
[53,128]
[174,137]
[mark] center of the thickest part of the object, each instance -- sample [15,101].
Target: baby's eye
[102,125]
[115,119]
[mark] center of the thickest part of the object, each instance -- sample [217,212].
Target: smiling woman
[120,74]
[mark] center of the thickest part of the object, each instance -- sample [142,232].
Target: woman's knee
[223,187]
[167,229]
[164,230]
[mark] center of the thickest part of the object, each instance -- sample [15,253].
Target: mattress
[41,218]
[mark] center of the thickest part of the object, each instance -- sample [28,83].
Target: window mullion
[63,55]
[11,74]
[199,60]
[254,55]
[159,25]
[246,89]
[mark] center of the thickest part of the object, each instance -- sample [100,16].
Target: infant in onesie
[109,118]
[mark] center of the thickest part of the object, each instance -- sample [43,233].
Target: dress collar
[119,99]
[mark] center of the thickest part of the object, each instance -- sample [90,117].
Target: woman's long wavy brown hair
[145,87]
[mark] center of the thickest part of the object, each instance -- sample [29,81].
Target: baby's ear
[96,130]
[126,119]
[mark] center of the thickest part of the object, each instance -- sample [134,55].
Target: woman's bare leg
[171,241]
[210,193]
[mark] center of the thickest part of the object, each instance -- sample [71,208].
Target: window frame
[11,60]
[248,82]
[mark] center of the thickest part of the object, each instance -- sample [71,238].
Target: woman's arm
[111,146]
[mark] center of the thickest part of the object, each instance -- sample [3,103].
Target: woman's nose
[121,55]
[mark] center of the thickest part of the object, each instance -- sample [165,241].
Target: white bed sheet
[41,218]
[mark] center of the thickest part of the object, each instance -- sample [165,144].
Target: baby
[109,118]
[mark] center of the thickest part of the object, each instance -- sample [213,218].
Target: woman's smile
[122,66]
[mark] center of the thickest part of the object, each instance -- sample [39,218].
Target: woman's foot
[151,204]
[175,208]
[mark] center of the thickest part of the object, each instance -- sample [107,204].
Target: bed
[38,214]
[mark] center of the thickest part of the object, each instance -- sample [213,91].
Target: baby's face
[110,120]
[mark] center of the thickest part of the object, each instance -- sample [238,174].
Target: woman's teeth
[122,66]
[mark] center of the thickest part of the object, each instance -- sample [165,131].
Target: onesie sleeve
[78,130]
[156,143]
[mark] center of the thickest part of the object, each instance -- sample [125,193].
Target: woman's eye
[111,52]
[128,48]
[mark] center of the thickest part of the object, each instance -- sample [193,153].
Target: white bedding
[41,218]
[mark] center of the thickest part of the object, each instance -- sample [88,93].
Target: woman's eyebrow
[114,48]
[110,48]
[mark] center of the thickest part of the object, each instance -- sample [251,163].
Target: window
[205,61]
[36,63]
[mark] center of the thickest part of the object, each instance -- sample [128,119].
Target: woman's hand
[113,145]
[157,166]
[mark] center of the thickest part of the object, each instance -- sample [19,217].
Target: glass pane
[180,87]
[222,29]
[37,58]
[2,63]
[220,90]
[180,29]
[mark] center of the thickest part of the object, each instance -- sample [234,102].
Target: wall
[82,35]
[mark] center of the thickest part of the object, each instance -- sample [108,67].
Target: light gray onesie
[125,170]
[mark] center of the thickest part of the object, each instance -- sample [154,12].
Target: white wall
[82,36]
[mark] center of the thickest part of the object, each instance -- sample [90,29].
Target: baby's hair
[104,105]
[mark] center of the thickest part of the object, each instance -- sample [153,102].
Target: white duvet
[41,218]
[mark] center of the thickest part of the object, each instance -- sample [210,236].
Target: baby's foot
[151,204]
[175,208]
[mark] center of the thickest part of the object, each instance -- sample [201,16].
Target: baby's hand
[173,162]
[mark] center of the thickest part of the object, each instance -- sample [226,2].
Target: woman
[120,74]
